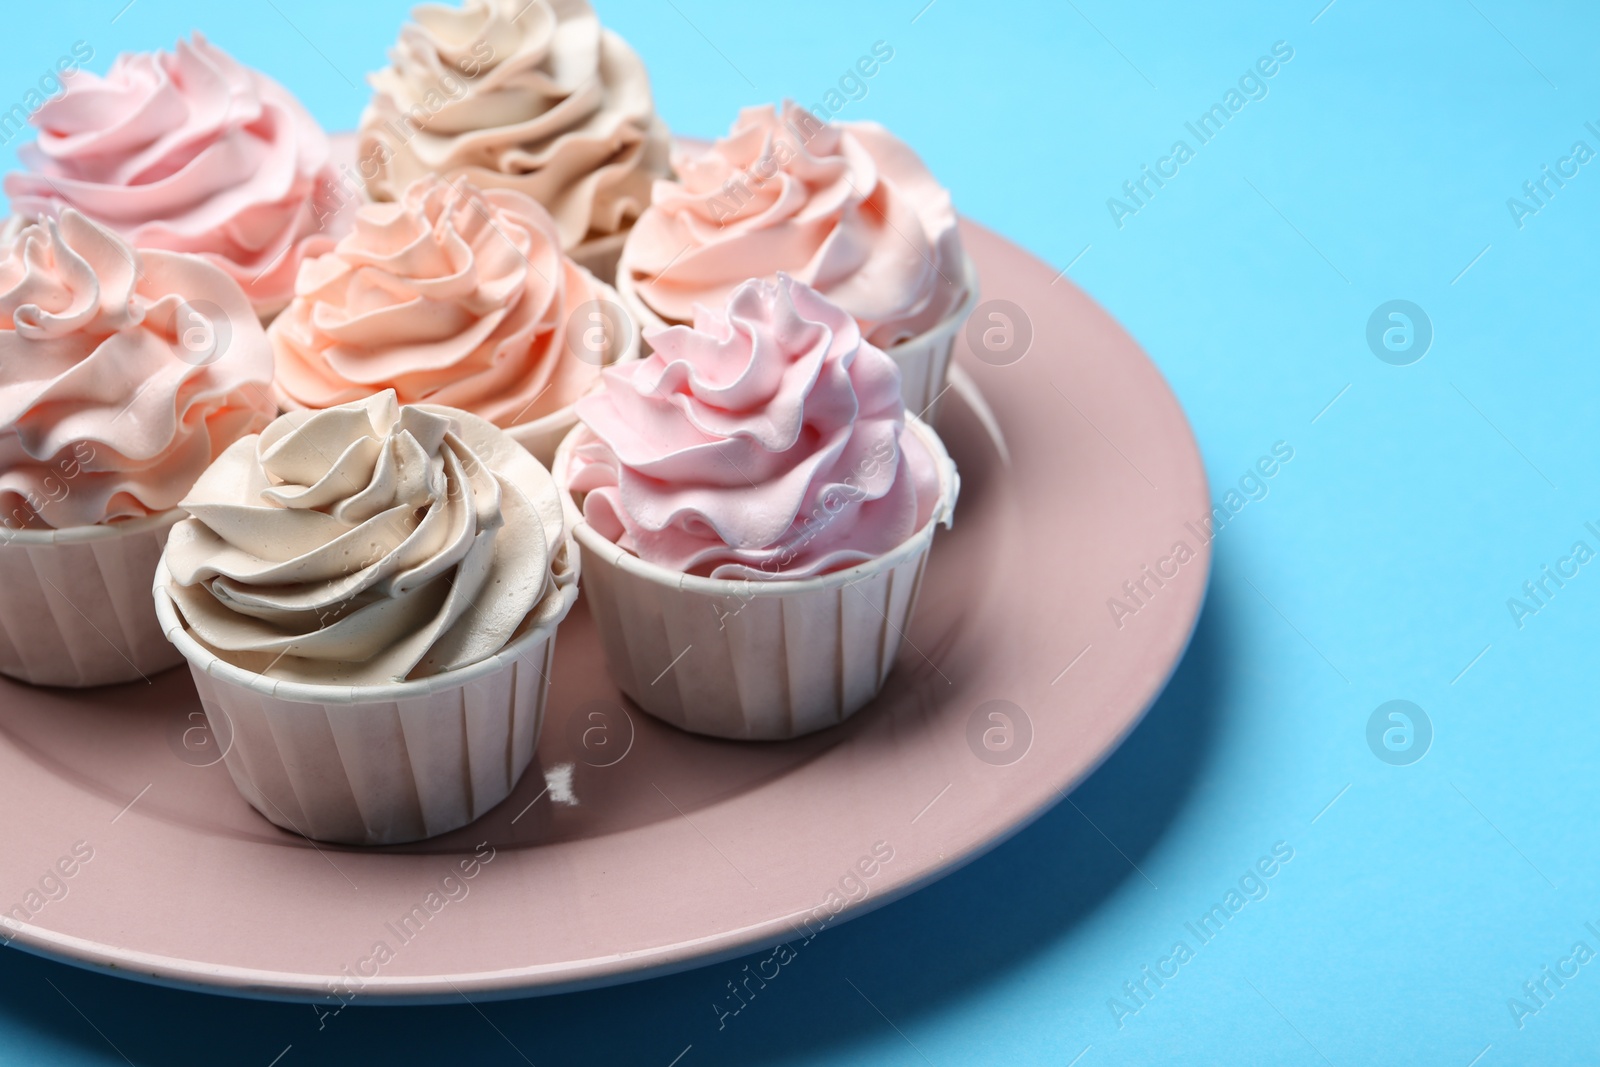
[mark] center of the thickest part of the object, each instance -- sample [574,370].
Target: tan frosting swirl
[531,95]
[123,374]
[369,543]
[451,296]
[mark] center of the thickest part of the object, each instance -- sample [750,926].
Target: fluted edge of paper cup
[378,764]
[756,660]
[542,436]
[924,360]
[75,606]
[644,316]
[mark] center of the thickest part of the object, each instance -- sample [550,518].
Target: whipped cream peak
[105,411]
[369,543]
[765,442]
[188,151]
[532,95]
[846,208]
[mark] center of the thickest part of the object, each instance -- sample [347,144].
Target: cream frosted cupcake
[758,508]
[123,374]
[188,151]
[846,208]
[457,296]
[531,95]
[368,598]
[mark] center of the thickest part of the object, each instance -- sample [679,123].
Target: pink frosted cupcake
[846,208]
[758,508]
[456,296]
[368,597]
[123,374]
[531,95]
[188,152]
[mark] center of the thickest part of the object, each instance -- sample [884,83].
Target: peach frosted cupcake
[531,95]
[368,597]
[457,296]
[188,151]
[733,484]
[123,374]
[846,208]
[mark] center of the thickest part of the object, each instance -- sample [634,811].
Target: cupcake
[757,511]
[846,208]
[457,296]
[530,95]
[368,597]
[123,374]
[188,152]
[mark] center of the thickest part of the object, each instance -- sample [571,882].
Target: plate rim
[617,968]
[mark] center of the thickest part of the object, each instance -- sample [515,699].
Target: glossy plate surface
[631,849]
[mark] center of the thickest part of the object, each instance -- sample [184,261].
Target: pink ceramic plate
[631,849]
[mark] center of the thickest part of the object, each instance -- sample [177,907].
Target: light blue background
[1378,167]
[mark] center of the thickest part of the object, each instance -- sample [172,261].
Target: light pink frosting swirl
[108,408]
[764,443]
[187,151]
[848,209]
[451,295]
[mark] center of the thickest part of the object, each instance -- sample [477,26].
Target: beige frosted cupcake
[846,208]
[368,598]
[531,95]
[758,509]
[457,296]
[123,374]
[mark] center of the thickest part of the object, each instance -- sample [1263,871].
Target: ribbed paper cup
[544,435]
[75,604]
[759,660]
[378,764]
[924,360]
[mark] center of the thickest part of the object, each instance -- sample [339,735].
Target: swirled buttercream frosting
[123,374]
[846,208]
[188,151]
[368,543]
[450,295]
[531,95]
[766,442]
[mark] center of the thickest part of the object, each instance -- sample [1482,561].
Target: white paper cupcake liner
[924,360]
[760,660]
[75,604]
[377,765]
